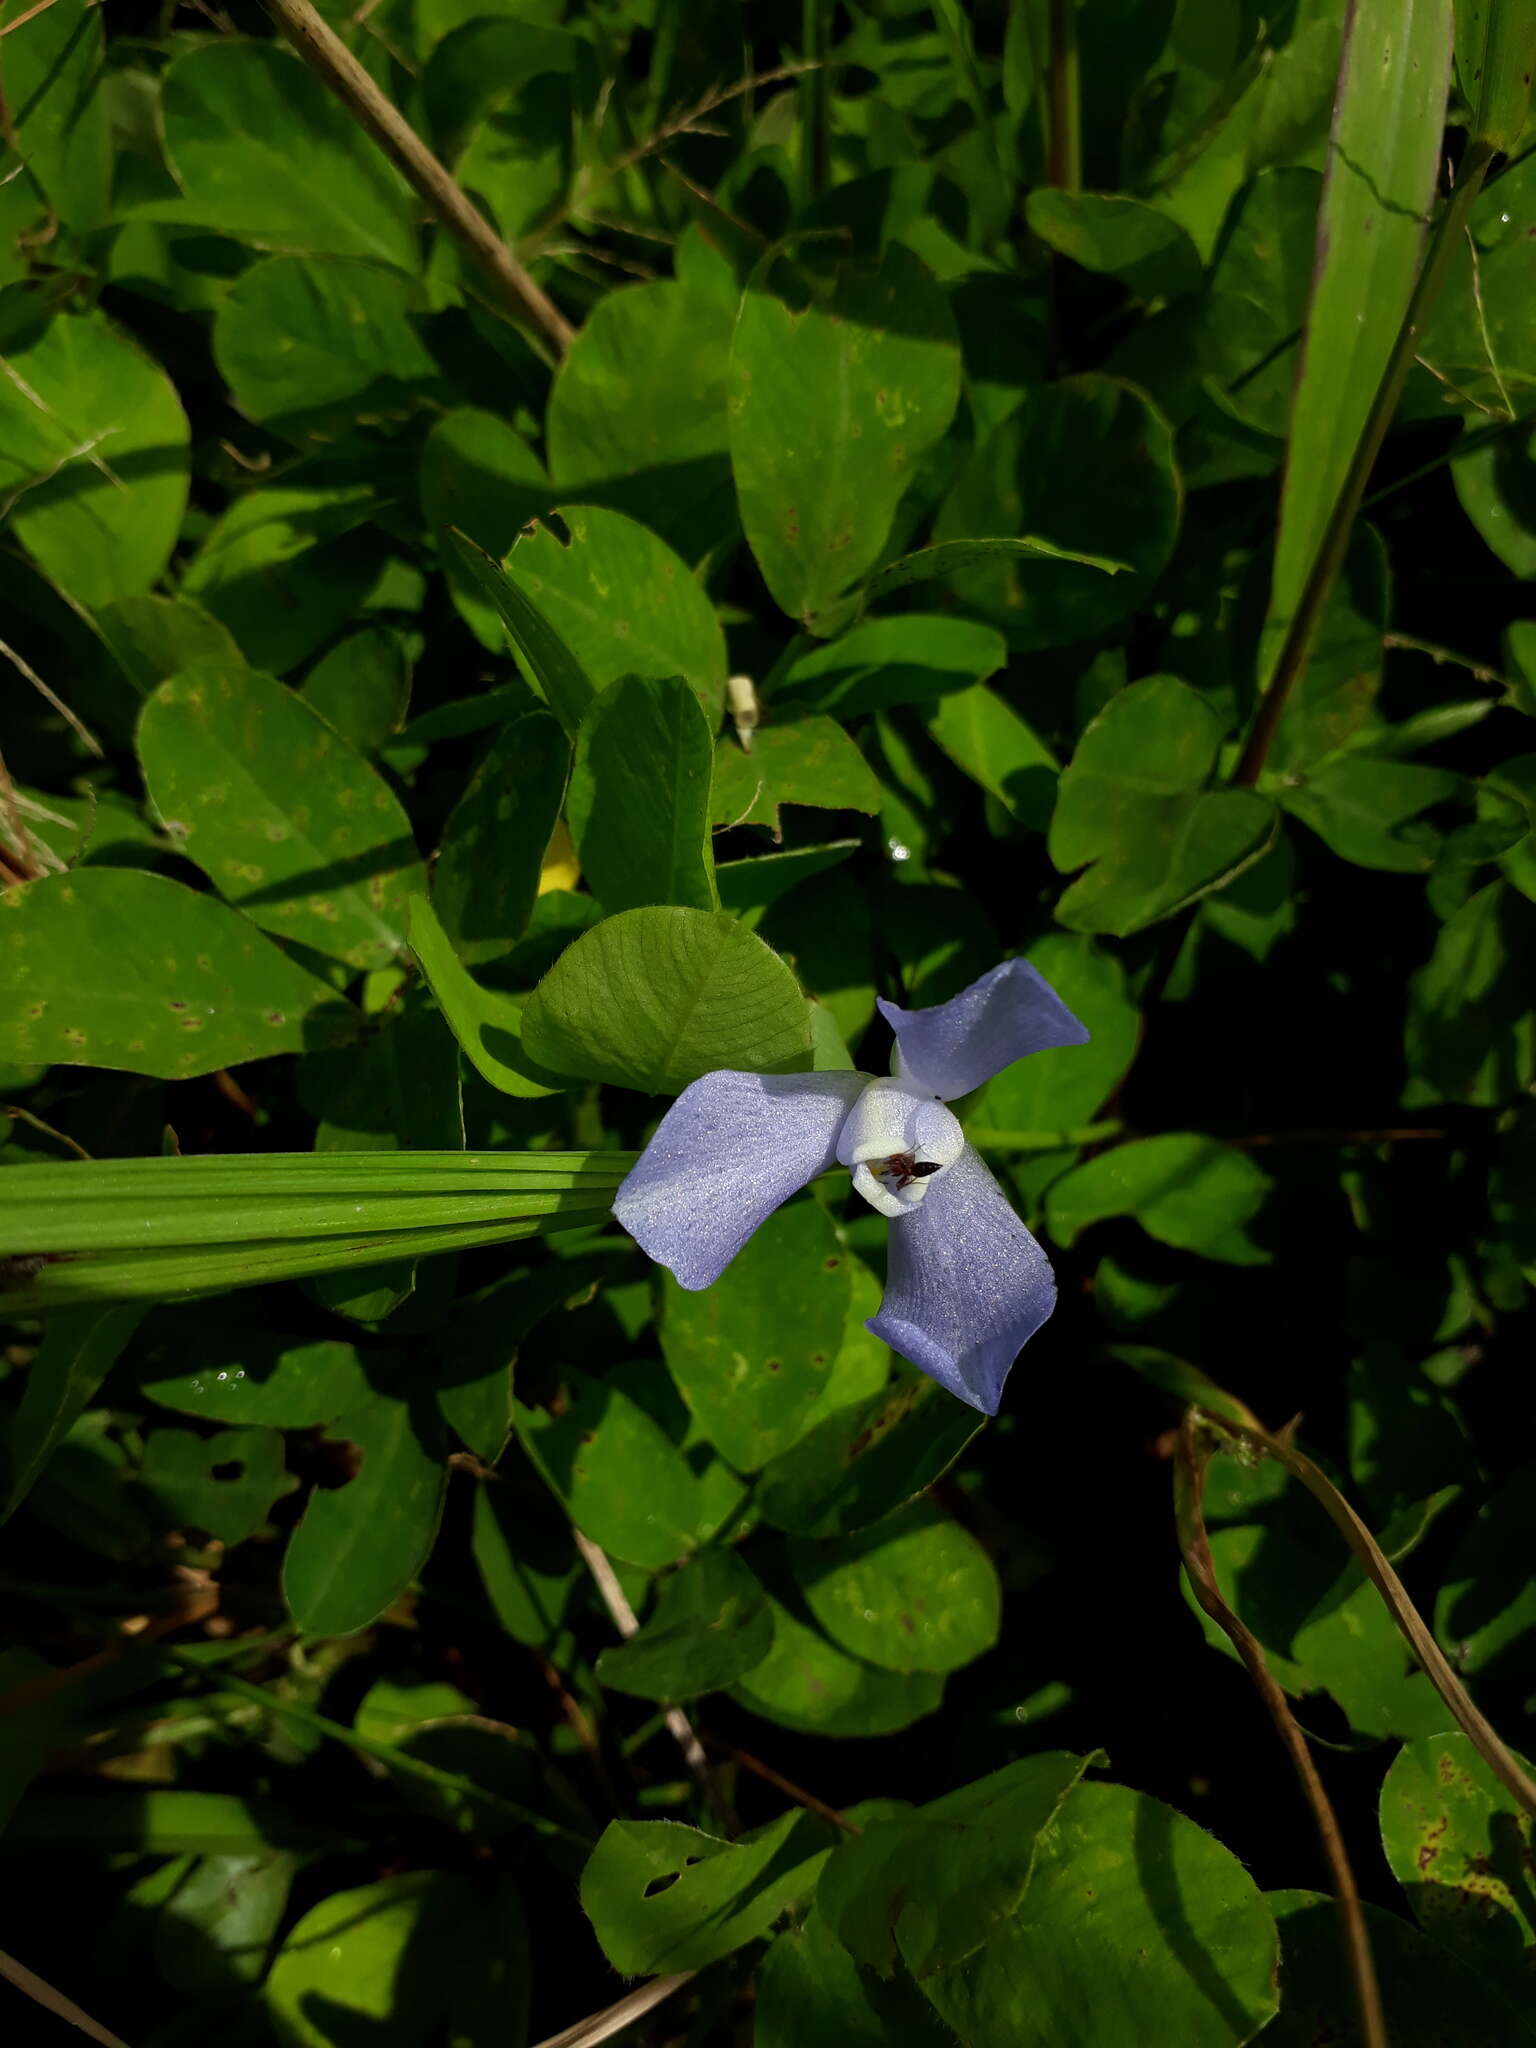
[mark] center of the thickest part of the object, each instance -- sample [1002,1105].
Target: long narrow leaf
[170,1273]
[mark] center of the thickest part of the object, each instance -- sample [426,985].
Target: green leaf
[637,418]
[479,477]
[219,1922]
[309,348]
[304,179]
[1059,1090]
[1185,1190]
[1334,703]
[1487,1602]
[1326,1629]
[1149,253]
[288,822]
[1250,327]
[711,1626]
[399,1089]
[526,1561]
[1470,1028]
[1087,465]
[362,686]
[1378,191]
[913,1593]
[808,1683]
[1461,1849]
[224,1484]
[378,1959]
[749,887]
[983,735]
[1494,40]
[619,1476]
[651,999]
[58,123]
[832,405]
[153,637]
[487,1024]
[800,761]
[751,1356]
[622,602]
[78,1350]
[288,565]
[1429,1996]
[721,1895]
[108,968]
[1368,811]
[880,662]
[211,1364]
[360,1545]
[93,454]
[1132,800]
[812,1994]
[640,791]
[931,1885]
[866,1460]
[1131,1910]
[486,879]
[548,660]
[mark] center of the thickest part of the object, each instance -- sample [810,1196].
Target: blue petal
[967,1285]
[955,1046]
[726,1154]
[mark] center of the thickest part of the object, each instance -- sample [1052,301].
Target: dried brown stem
[1190,1458]
[748,1762]
[319,45]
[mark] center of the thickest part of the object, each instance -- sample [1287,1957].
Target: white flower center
[897,1140]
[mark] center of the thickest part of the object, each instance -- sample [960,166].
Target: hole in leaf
[661,1884]
[231,1469]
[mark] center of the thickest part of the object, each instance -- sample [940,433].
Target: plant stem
[813,99]
[1484,1738]
[1063,112]
[319,45]
[1301,634]
[397,1760]
[679,1727]
[1191,1457]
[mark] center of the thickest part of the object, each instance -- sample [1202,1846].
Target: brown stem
[1478,1731]
[319,45]
[1191,1457]
[1064,146]
[780,1783]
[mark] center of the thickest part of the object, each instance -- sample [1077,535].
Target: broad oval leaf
[1124,1895]
[833,403]
[638,419]
[753,1356]
[1086,464]
[652,999]
[640,796]
[914,1592]
[282,815]
[93,455]
[106,967]
[622,602]
[360,1544]
[306,180]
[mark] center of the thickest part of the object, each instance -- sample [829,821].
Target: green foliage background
[429,744]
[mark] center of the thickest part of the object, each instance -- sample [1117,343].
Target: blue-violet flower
[967,1285]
